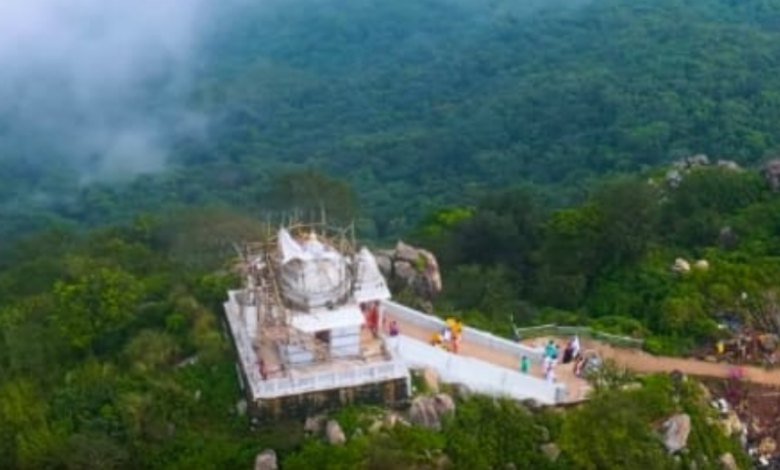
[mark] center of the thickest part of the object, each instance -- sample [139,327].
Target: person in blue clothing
[551,350]
[525,364]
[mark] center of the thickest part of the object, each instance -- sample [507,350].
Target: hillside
[112,357]
[415,104]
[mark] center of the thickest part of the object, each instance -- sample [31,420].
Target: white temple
[302,315]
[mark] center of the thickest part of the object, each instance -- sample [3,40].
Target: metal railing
[584,331]
[498,342]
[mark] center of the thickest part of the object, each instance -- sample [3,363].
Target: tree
[624,439]
[487,433]
[97,302]
[312,195]
[629,209]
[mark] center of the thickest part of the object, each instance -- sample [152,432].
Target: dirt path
[641,361]
[635,360]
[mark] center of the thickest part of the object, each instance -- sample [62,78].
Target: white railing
[478,375]
[471,335]
[246,353]
[354,376]
[554,329]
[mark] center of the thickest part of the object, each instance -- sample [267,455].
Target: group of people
[550,358]
[450,336]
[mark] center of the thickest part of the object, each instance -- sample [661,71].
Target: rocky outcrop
[702,265]
[460,390]
[676,175]
[415,268]
[767,446]
[428,411]
[727,462]
[728,238]
[241,407]
[392,418]
[675,431]
[314,424]
[731,424]
[673,178]
[772,173]
[266,460]
[334,433]
[431,379]
[552,451]
[681,266]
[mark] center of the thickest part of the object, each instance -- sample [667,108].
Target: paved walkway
[576,388]
[635,360]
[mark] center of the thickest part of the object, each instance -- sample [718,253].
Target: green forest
[530,146]
[424,104]
[112,357]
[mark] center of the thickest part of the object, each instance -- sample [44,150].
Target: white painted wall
[471,335]
[479,376]
[345,342]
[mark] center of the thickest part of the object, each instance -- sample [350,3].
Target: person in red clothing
[373,319]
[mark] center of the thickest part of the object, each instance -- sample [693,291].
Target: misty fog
[92,81]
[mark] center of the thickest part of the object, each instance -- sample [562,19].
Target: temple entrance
[323,336]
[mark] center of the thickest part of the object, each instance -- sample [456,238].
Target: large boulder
[731,424]
[266,460]
[767,446]
[392,419]
[681,265]
[552,451]
[768,342]
[428,411]
[675,431]
[314,424]
[431,379]
[690,163]
[728,238]
[729,165]
[727,462]
[674,177]
[334,433]
[772,173]
[407,266]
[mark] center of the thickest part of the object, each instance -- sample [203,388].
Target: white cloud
[81,78]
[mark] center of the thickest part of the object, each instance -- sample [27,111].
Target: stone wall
[389,393]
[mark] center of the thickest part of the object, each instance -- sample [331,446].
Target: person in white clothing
[550,374]
[575,346]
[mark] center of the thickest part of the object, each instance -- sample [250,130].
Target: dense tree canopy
[424,104]
[609,260]
[523,142]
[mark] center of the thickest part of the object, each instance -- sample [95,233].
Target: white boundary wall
[352,375]
[246,354]
[472,335]
[480,376]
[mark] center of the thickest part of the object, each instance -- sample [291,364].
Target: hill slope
[424,103]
